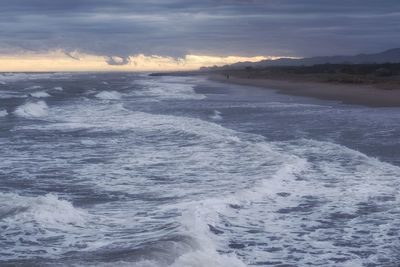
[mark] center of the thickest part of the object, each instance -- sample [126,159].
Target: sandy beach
[358,94]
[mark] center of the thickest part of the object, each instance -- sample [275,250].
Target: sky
[186,34]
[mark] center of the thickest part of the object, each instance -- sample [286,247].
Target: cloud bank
[75,61]
[120,29]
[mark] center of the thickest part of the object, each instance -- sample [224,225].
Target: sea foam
[3,113]
[166,89]
[40,94]
[293,202]
[37,223]
[216,115]
[47,210]
[32,110]
[109,95]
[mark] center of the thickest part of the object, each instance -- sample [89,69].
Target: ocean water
[124,169]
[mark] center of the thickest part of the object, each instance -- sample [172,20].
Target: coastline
[355,94]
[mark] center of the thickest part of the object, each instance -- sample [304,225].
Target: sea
[130,169]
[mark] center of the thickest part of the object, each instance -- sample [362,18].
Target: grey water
[123,169]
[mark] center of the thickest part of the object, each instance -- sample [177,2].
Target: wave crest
[3,113]
[32,110]
[47,210]
[34,225]
[109,95]
[40,94]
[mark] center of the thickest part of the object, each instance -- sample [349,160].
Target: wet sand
[358,94]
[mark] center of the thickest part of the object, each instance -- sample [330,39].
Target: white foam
[207,257]
[88,142]
[40,94]
[32,224]
[14,77]
[109,95]
[195,223]
[48,210]
[58,88]
[339,182]
[34,87]
[166,88]
[32,110]
[215,152]
[11,94]
[216,115]
[3,113]
[280,197]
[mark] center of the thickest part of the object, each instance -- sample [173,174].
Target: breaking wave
[38,223]
[47,210]
[188,192]
[264,191]
[32,110]
[216,115]
[166,89]
[15,77]
[3,113]
[40,94]
[109,95]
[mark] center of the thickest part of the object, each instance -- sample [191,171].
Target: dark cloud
[215,27]
[117,60]
[71,56]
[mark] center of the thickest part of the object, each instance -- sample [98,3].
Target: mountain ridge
[387,56]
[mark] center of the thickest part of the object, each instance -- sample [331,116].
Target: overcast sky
[206,27]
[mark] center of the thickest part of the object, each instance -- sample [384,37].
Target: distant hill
[389,56]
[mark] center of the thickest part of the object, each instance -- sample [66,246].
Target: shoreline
[353,94]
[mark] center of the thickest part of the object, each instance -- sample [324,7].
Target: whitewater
[125,169]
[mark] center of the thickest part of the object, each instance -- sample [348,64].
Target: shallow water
[132,170]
